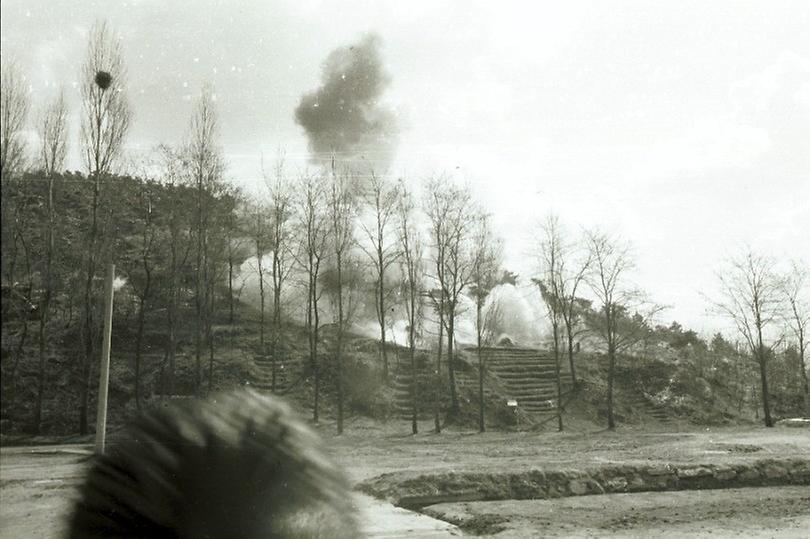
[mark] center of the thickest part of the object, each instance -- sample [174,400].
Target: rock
[749,475]
[578,487]
[616,485]
[690,473]
[636,483]
[725,474]
[773,471]
[659,470]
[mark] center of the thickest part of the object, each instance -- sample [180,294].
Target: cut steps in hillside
[287,373]
[401,383]
[522,374]
[527,376]
[636,400]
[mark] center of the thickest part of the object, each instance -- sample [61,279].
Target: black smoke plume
[344,116]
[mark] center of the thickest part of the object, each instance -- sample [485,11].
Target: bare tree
[625,311]
[342,213]
[220,206]
[234,245]
[142,269]
[205,164]
[381,197]
[53,133]
[795,289]
[411,266]
[314,228]
[105,110]
[105,122]
[751,298]
[486,257]
[14,105]
[175,172]
[573,267]
[381,248]
[551,283]
[259,235]
[451,214]
[280,208]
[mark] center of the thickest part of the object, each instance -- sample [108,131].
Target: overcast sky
[683,126]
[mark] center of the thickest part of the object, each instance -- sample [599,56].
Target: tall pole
[104,375]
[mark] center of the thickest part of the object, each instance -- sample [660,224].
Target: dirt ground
[367,449]
[750,512]
[38,484]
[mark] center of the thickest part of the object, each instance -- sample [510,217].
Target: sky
[683,127]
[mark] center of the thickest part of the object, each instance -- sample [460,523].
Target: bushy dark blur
[238,465]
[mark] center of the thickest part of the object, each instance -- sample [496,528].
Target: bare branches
[53,133]
[451,213]
[795,289]
[202,151]
[797,317]
[625,311]
[380,247]
[751,297]
[411,262]
[412,268]
[14,105]
[106,113]
[485,262]
[381,199]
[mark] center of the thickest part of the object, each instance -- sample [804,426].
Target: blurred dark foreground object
[238,465]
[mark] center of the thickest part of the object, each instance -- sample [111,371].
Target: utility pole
[104,375]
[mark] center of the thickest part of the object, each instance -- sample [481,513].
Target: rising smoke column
[344,116]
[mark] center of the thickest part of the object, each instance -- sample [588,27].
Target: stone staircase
[425,388]
[636,400]
[288,372]
[522,374]
[528,376]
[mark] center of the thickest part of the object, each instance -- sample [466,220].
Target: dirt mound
[427,489]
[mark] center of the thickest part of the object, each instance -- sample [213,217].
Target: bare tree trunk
[339,354]
[571,359]
[454,407]
[316,323]
[804,376]
[611,373]
[138,341]
[198,293]
[381,313]
[414,397]
[556,334]
[766,404]
[309,327]
[481,426]
[171,315]
[88,323]
[230,285]
[437,397]
[260,270]
[210,337]
[46,308]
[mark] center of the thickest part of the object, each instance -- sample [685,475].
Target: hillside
[652,391]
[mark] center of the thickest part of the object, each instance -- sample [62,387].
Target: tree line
[340,239]
[768,309]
